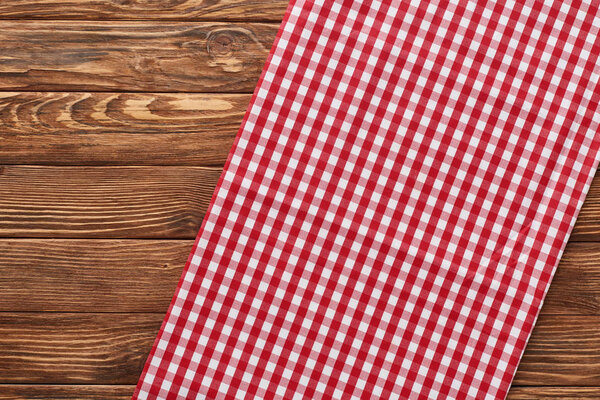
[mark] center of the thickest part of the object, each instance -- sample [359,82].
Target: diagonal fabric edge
[394,206]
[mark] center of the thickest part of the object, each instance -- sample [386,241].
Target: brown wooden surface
[110,275]
[556,393]
[133,56]
[123,392]
[104,202]
[60,128]
[137,201]
[102,348]
[115,119]
[109,348]
[185,10]
[90,276]
[65,392]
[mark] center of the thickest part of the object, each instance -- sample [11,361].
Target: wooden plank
[58,128]
[141,275]
[90,275]
[588,221]
[563,351]
[133,56]
[136,202]
[109,202]
[63,348]
[75,348]
[123,392]
[248,10]
[556,393]
[66,392]
[575,288]
[133,202]
[118,128]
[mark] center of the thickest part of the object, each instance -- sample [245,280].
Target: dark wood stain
[90,275]
[133,56]
[183,10]
[65,392]
[75,348]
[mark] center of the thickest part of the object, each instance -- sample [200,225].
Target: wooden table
[116,117]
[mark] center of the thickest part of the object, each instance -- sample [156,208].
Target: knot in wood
[222,44]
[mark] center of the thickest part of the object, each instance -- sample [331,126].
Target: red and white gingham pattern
[394,207]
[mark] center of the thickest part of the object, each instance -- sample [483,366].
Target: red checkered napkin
[392,212]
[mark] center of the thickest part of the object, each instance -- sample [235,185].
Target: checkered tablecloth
[394,206]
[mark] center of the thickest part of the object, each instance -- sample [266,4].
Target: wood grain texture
[78,316]
[118,128]
[575,288]
[205,10]
[66,392]
[562,351]
[123,392]
[555,393]
[90,275]
[104,202]
[99,275]
[133,56]
[64,348]
[588,221]
[135,202]
[75,348]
